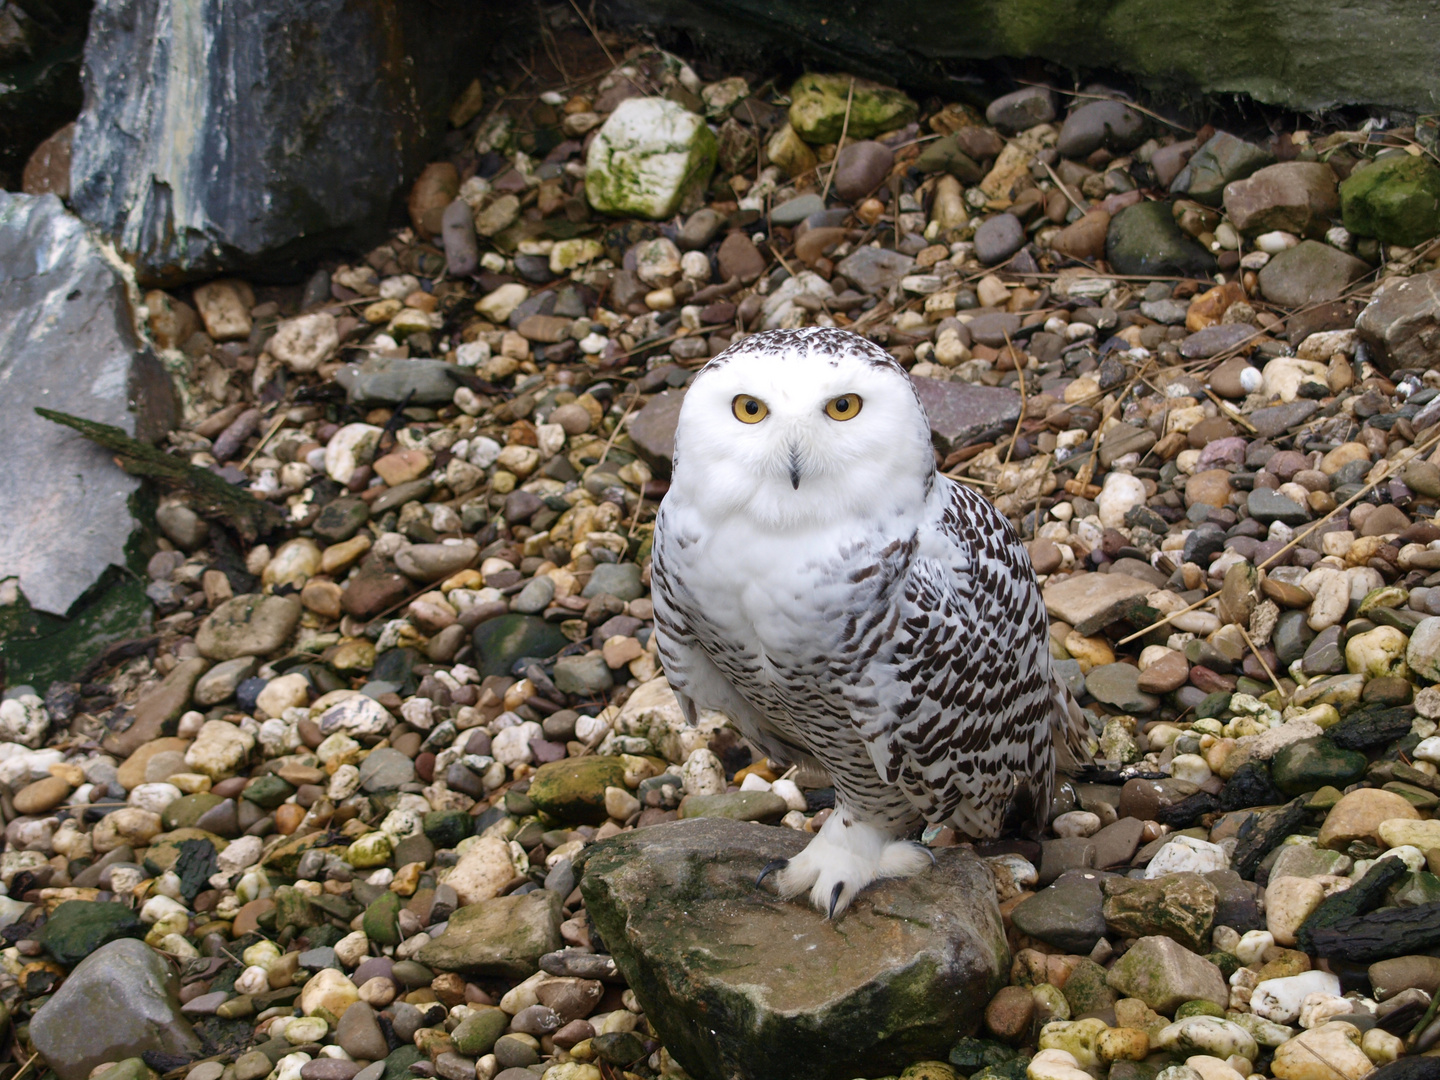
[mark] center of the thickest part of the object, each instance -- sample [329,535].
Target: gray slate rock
[1111,124]
[653,429]
[1402,324]
[67,343]
[128,986]
[745,977]
[1222,159]
[873,270]
[1309,273]
[1216,339]
[998,238]
[196,153]
[959,412]
[429,382]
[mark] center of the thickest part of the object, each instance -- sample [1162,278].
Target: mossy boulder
[648,157]
[730,975]
[572,790]
[1396,200]
[817,108]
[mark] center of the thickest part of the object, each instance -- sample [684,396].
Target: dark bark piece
[210,495]
[1261,834]
[1364,896]
[1379,935]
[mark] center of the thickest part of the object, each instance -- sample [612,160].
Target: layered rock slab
[69,343]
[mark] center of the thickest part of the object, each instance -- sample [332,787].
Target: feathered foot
[845,856]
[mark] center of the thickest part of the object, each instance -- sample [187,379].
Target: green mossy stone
[572,790]
[1313,763]
[500,642]
[817,108]
[382,919]
[78,927]
[185,811]
[1396,200]
[268,791]
[446,828]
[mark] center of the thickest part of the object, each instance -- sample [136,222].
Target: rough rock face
[730,975]
[131,988]
[68,343]
[39,76]
[217,135]
[1335,54]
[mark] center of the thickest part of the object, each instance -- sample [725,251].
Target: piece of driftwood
[209,495]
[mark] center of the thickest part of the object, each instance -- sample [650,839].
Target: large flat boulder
[1335,54]
[731,976]
[68,342]
[227,134]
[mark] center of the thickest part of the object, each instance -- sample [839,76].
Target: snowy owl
[853,611]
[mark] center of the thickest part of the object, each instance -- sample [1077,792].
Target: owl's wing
[965,701]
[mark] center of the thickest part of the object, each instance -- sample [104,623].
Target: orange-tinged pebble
[288,817]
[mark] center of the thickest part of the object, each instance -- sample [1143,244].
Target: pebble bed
[401,721]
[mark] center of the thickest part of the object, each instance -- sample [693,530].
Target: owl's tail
[1070,733]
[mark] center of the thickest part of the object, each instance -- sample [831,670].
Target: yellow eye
[844,407]
[749,410]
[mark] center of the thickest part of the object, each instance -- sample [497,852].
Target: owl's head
[801,428]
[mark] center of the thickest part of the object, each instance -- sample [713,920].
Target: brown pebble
[42,795]
[1010,1013]
[288,817]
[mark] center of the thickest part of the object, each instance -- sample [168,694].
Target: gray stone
[1309,273]
[1221,159]
[653,429]
[503,937]
[993,327]
[1145,240]
[134,991]
[960,413]
[998,238]
[68,343]
[385,769]
[1065,914]
[745,977]
[1111,124]
[1021,109]
[793,211]
[860,168]
[873,270]
[1216,339]
[584,675]
[384,381]
[1274,420]
[457,229]
[614,579]
[358,1033]
[1117,685]
[195,156]
[1168,312]
[699,229]
[1402,324]
[219,683]
[1266,505]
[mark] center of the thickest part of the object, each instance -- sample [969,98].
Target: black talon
[770,868]
[835,897]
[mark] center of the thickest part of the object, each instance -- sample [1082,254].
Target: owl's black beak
[795,467]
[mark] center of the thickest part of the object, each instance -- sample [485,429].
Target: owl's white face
[803,428]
